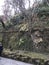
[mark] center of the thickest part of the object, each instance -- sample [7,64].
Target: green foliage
[43,11]
[22,23]
[47,22]
[25,43]
[17,19]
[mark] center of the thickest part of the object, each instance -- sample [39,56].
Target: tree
[2,23]
[18,5]
[7,9]
[45,2]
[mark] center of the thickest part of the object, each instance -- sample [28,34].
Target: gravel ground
[5,61]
